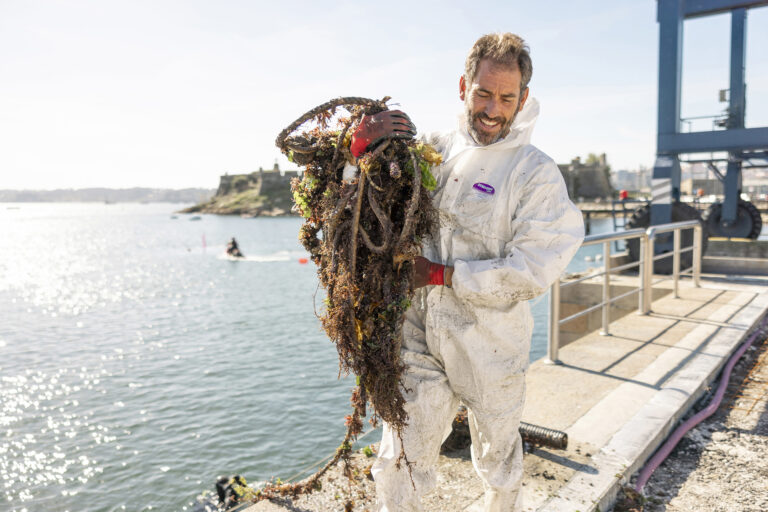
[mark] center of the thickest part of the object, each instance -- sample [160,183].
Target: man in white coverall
[507,230]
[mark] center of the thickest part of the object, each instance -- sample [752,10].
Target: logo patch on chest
[484,188]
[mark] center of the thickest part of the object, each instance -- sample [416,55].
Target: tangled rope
[363,234]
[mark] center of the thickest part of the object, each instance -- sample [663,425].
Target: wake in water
[299,256]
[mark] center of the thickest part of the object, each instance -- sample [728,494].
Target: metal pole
[665,182]
[606,289]
[697,241]
[649,254]
[554,323]
[641,275]
[736,110]
[676,263]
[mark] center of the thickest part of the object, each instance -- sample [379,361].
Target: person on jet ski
[233,250]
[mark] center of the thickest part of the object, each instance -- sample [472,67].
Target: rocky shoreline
[248,203]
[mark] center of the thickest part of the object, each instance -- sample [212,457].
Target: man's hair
[506,49]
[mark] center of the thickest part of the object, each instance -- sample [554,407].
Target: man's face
[492,100]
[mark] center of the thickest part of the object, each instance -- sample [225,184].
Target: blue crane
[733,217]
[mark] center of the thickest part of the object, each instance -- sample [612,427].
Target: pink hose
[678,434]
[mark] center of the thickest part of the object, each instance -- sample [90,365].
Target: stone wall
[264,182]
[587,181]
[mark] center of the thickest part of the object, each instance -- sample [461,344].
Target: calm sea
[137,364]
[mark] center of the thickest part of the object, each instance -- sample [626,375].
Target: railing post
[641,274]
[676,263]
[606,289]
[553,330]
[648,284]
[697,241]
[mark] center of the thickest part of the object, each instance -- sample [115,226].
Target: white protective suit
[470,343]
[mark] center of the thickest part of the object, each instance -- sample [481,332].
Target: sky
[174,93]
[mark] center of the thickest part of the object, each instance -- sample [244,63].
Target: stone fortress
[588,180]
[271,182]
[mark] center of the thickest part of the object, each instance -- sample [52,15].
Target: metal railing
[645,263]
[650,257]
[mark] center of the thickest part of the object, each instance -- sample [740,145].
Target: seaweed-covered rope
[328,106]
[363,235]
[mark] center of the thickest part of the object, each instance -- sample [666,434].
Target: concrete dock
[617,397]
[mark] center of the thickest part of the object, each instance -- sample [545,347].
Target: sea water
[137,364]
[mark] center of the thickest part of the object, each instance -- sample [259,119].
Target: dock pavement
[617,397]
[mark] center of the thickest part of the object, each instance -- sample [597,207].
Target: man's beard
[484,139]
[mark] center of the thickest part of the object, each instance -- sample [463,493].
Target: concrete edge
[741,265]
[642,435]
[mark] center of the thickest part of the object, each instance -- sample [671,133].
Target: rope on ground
[322,461]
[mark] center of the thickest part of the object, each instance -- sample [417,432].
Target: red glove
[390,124]
[426,272]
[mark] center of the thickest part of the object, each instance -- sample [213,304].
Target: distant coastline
[108,195]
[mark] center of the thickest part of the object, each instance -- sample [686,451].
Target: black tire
[641,218]
[748,221]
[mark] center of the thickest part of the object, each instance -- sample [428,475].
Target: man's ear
[522,99]
[462,88]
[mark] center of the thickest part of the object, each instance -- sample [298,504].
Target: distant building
[644,176]
[753,184]
[624,180]
[631,180]
[708,186]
